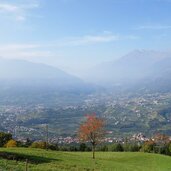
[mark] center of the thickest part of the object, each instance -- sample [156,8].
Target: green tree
[4,138]
[170,148]
[116,147]
[82,147]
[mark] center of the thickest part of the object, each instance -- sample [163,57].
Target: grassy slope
[76,161]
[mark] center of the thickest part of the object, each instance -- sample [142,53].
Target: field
[41,160]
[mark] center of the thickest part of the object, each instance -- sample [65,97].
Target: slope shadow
[23,157]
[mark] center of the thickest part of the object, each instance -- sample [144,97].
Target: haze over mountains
[127,92]
[26,82]
[140,67]
[28,72]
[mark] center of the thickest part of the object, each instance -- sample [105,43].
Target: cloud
[24,51]
[46,49]
[8,8]
[106,37]
[13,47]
[90,39]
[18,11]
[153,27]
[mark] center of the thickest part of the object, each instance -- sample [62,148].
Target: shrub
[104,148]
[131,147]
[116,147]
[88,149]
[63,148]
[170,148]
[53,147]
[40,144]
[73,148]
[82,147]
[11,143]
[148,146]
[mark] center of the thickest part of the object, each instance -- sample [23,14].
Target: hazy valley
[133,94]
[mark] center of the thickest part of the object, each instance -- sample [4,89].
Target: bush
[103,148]
[162,149]
[11,143]
[116,147]
[53,147]
[40,144]
[88,148]
[131,147]
[73,148]
[63,148]
[82,147]
[169,147]
[148,146]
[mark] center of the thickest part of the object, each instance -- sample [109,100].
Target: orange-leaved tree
[92,130]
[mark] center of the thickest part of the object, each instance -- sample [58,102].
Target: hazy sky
[77,34]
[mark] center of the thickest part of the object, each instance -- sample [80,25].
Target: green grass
[41,160]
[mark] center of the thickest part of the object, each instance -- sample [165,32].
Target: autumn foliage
[11,143]
[161,139]
[92,130]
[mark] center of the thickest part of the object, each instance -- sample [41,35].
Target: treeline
[148,146]
[160,144]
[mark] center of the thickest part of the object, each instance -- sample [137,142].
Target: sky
[75,35]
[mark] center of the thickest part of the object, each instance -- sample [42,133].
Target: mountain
[34,73]
[26,82]
[140,67]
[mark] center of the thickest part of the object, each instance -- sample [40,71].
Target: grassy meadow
[42,160]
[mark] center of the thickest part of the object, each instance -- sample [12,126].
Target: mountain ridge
[134,68]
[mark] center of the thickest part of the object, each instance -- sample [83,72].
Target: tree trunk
[93,150]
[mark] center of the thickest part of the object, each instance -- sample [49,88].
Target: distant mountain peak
[11,69]
[133,68]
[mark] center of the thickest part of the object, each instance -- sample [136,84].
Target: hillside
[26,72]
[125,115]
[41,160]
[23,82]
[139,68]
